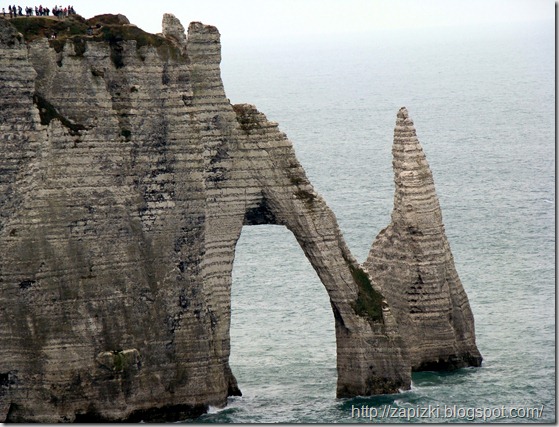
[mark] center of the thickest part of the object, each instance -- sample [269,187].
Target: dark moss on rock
[369,301]
[118,33]
[247,117]
[47,112]
[79,46]
[115,34]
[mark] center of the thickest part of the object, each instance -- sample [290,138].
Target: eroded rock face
[173,29]
[412,264]
[125,179]
[369,356]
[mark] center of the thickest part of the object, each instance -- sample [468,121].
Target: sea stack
[412,264]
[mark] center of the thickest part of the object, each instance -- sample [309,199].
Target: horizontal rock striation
[412,264]
[126,177]
[103,203]
[369,356]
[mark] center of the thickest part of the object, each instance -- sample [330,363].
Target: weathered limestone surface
[412,263]
[173,30]
[125,178]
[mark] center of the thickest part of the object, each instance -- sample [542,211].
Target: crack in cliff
[48,112]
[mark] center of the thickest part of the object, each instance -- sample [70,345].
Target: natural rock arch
[277,191]
[121,201]
[122,198]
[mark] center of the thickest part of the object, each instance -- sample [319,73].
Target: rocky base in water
[126,177]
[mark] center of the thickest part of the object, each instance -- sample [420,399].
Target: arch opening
[283,341]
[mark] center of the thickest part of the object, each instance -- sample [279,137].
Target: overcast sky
[245,19]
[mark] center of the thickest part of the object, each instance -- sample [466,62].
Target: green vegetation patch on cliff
[117,33]
[37,27]
[114,34]
[247,117]
[369,301]
[103,28]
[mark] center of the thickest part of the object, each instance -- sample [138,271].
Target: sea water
[483,103]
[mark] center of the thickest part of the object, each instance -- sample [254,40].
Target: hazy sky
[243,19]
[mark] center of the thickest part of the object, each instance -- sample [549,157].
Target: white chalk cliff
[126,177]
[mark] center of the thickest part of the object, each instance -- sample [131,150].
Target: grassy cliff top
[110,28]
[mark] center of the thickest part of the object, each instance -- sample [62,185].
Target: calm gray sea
[483,103]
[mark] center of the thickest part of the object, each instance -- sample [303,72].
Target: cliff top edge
[110,28]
